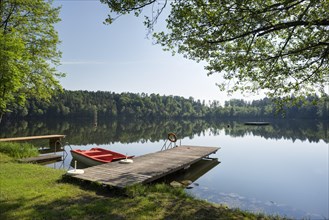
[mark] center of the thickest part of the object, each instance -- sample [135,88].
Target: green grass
[29,191]
[18,150]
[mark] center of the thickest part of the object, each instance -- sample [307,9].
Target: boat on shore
[96,156]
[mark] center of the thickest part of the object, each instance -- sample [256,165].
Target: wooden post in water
[95,116]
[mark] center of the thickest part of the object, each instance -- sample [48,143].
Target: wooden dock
[146,168]
[42,159]
[30,138]
[54,139]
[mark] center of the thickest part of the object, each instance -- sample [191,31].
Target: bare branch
[4,24]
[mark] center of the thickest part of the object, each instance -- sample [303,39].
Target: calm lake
[280,169]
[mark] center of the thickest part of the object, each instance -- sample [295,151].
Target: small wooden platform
[54,140]
[30,138]
[41,159]
[146,168]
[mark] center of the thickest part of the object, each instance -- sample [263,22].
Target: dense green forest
[88,104]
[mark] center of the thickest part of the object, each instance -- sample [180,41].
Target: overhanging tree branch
[268,29]
[261,44]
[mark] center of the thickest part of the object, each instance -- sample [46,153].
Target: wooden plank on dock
[146,168]
[41,158]
[30,138]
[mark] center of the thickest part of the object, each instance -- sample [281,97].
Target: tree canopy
[28,51]
[278,46]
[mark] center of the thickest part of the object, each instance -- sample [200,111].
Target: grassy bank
[18,150]
[30,191]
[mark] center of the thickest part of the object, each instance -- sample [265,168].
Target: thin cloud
[94,62]
[83,62]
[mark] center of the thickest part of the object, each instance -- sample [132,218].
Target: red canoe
[97,156]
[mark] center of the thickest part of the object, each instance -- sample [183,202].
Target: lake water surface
[277,169]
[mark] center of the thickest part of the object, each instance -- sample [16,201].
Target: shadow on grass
[99,189]
[83,207]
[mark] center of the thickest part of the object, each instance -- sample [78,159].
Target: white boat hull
[85,160]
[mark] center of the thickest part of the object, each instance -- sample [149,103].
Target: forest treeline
[154,106]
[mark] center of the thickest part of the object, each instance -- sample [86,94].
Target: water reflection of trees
[312,131]
[83,132]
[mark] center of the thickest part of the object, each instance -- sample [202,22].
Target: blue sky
[120,58]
